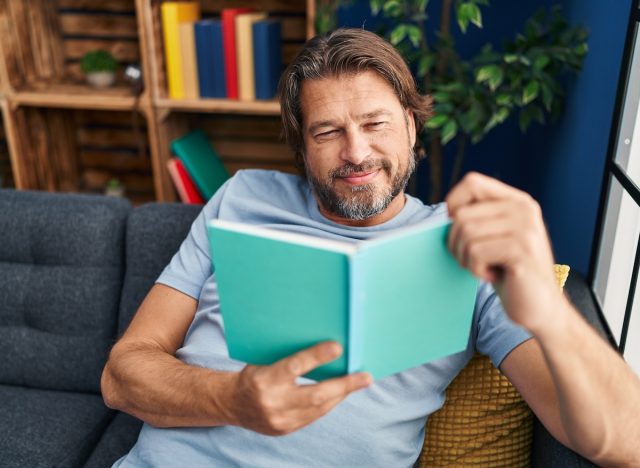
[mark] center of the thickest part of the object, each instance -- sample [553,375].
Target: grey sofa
[73,270]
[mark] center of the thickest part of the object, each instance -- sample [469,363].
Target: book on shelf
[393,302]
[244,50]
[188,60]
[201,161]
[267,57]
[183,183]
[209,50]
[174,13]
[229,43]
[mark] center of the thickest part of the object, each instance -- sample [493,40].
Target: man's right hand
[268,400]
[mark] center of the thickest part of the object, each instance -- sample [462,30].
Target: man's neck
[389,213]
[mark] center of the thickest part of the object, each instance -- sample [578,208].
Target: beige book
[244,52]
[189,62]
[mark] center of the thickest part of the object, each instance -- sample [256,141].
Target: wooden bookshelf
[43,97]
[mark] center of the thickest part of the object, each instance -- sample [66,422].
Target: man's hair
[345,51]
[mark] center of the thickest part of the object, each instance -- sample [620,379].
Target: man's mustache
[366,166]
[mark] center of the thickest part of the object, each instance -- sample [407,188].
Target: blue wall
[560,164]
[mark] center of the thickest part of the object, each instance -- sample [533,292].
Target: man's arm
[578,386]
[144,378]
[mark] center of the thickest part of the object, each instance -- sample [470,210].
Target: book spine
[173,13]
[229,43]
[244,48]
[267,55]
[219,78]
[355,346]
[192,194]
[189,61]
[203,31]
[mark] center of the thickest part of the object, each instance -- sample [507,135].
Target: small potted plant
[99,67]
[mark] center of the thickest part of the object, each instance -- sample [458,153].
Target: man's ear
[411,127]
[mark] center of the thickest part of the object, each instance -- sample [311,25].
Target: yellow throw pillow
[484,421]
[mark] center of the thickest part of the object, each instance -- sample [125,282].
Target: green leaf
[581,50]
[392,8]
[547,96]
[541,61]
[463,16]
[449,131]
[497,118]
[492,75]
[475,16]
[530,92]
[510,58]
[524,60]
[376,6]
[398,34]
[441,96]
[504,99]
[437,121]
[528,114]
[415,34]
[425,63]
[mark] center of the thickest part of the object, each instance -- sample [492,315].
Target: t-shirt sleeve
[191,265]
[496,334]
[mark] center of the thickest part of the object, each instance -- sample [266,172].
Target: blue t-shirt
[382,425]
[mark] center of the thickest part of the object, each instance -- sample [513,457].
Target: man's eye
[376,124]
[327,133]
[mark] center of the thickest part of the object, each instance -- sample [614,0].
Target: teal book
[201,161]
[393,302]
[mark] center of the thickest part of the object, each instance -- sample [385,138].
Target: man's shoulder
[257,178]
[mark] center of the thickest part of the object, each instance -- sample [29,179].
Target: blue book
[211,76]
[267,57]
[393,302]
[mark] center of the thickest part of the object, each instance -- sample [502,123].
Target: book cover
[184,185]
[209,51]
[267,57]
[174,13]
[393,302]
[201,161]
[244,50]
[229,44]
[188,60]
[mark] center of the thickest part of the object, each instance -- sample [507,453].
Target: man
[351,112]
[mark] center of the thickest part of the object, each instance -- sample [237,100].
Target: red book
[229,46]
[184,185]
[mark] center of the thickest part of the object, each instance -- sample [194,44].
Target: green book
[201,161]
[393,302]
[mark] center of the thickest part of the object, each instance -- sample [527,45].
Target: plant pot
[102,79]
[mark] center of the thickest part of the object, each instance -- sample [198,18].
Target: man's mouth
[357,178]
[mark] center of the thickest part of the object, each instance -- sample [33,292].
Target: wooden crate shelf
[43,91]
[221,106]
[78,96]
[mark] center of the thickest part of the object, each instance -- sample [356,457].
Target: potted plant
[99,67]
[473,96]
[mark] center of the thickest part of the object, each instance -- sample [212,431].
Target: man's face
[358,144]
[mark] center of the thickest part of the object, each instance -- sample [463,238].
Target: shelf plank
[229,106]
[69,96]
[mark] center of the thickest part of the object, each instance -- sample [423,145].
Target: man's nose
[356,148]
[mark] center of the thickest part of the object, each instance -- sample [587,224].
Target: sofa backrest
[154,233]
[61,273]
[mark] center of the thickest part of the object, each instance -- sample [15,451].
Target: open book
[393,302]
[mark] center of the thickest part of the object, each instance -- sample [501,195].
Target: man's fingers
[306,360]
[476,187]
[337,388]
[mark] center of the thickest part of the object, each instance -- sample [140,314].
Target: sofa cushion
[44,428]
[154,233]
[61,269]
[116,441]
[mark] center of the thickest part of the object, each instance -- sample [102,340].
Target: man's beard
[364,201]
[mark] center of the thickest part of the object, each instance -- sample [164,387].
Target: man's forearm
[148,383]
[599,394]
